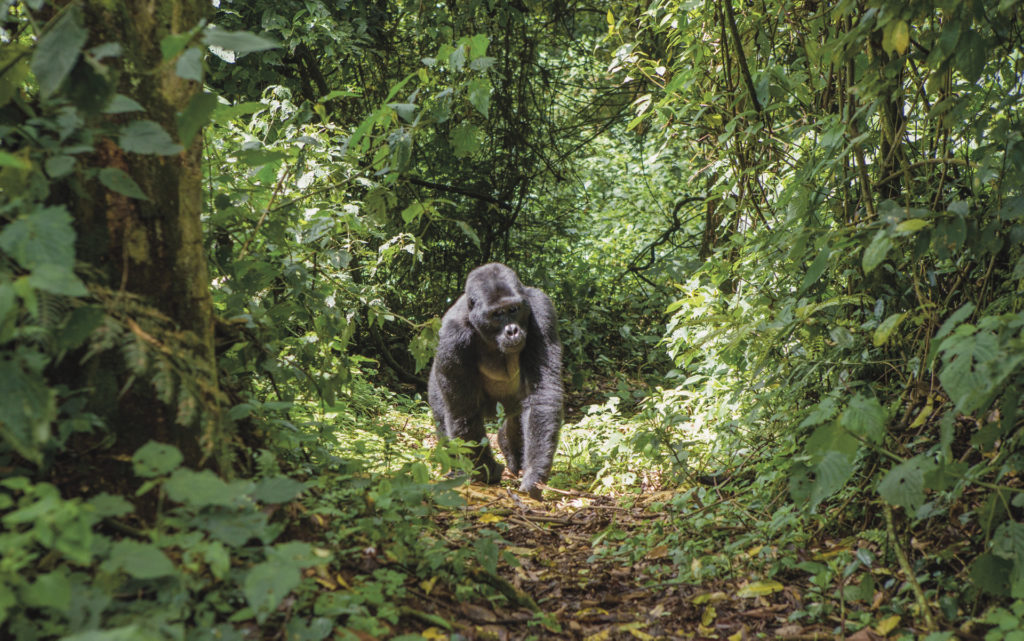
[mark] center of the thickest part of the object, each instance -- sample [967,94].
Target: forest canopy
[785,244]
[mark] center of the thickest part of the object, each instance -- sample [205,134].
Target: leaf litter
[562,587]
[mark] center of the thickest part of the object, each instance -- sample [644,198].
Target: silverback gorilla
[499,344]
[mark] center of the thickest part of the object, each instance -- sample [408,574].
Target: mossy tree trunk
[150,250]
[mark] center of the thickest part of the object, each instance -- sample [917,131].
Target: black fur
[499,344]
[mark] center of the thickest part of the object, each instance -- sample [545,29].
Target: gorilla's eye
[512,310]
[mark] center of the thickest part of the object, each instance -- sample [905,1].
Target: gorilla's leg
[540,438]
[471,430]
[510,437]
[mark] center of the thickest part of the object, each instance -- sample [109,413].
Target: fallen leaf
[434,634]
[489,517]
[887,625]
[709,597]
[428,584]
[658,552]
[708,616]
[603,635]
[759,588]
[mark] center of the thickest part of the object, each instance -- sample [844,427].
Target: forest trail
[567,587]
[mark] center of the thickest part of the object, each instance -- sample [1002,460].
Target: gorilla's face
[498,309]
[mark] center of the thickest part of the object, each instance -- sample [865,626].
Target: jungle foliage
[785,239]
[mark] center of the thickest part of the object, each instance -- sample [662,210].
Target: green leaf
[139,560]
[190,65]
[58,50]
[830,475]
[903,485]
[8,159]
[59,166]
[464,139]
[147,137]
[971,54]
[226,113]
[480,94]
[120,104]
[865,417]
[110,505]
[954,319]
[478,46]
[203,488]
[469,232]
[116,180]
[412,212]
[400,146]
[912,225]
[156,459]
[297,553]
[173,44]
[1008,541]
[198,112]
[876,251]
[15,64]
[49,590]
[268,583]
[831,437]
[124,633]
[886,328]
[991,574]
[241,42]
[42,237]
[57,279]
[974,368]
[8,304]
[895,37]
[816,269]
[277,489]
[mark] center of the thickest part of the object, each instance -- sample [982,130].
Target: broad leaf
[830,475]
[139,560]
[155,459]
[464,139]
[266,584]
[480,94]
[876,251]
[886,328]
[58,50]
[241,42]
[190,65]
[203,488]
[42,237]
[277,489]
[865,417]
[116,180]
[903,485]
[147,137]
[198,112]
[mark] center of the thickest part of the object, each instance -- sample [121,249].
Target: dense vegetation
[786,243]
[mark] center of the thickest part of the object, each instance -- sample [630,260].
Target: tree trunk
[150,251]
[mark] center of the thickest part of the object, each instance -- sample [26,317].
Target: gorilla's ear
[471,302]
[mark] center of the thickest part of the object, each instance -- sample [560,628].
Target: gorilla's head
[498,309]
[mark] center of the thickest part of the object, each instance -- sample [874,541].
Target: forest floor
[567,588]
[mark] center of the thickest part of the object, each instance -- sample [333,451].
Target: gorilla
[499,344]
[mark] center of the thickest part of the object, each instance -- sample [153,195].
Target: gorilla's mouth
[512,345]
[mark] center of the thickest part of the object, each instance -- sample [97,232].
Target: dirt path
[583,593]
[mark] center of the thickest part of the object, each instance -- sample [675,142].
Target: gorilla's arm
[455,391]
[542,407]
